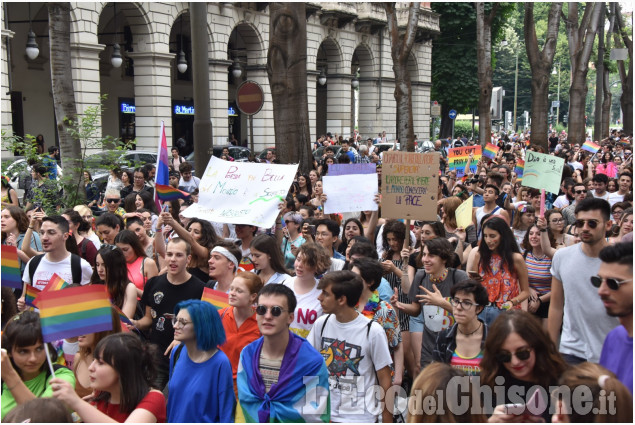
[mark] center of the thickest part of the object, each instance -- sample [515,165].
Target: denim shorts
[416,322]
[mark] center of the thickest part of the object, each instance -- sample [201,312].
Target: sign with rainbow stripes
[457,158]
[218,299]
[591,146]
[11,276]
[74,311]
[490,151]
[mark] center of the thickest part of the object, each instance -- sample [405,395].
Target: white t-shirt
[189,186]
[352,359]
[615,197]
[561,202]
[46,269]
[605,196]
[307,311]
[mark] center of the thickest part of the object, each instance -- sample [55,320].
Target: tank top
[501,285]
[135,273]
[470,365]
[480,213]
[538,273]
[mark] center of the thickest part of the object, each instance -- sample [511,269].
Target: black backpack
[76,267]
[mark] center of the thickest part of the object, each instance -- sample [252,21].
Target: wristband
[543,230]
[31,227]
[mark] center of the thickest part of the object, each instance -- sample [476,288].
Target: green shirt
[39,386]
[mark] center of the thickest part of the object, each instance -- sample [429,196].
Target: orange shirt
[237,338]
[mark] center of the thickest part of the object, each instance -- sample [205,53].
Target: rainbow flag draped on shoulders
[291,399]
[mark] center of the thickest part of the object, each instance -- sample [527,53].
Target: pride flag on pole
[11,276]
[519,169]
[30,295]
[163,192]
[591,146]
[74,311]
[169,193]
[490,151]
[218,299]
[55,283]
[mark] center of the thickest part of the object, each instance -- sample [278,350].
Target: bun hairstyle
[602,384]
[135,363]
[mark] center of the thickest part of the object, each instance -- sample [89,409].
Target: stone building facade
[344,40]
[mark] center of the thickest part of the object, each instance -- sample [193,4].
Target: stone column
[338,110]
[7,121]
[264,131]
[153,103]
[421,110]
[86,81]
[311,85]
[368,108]
[219,99]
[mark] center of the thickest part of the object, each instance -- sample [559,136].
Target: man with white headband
[223,264]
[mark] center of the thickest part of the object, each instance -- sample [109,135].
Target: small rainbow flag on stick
[519,169]
[11,267]
[169,193]
[591,146]
[30,295]
[74,311]
[122,316]
[490,151]
[55,283]
[218,299]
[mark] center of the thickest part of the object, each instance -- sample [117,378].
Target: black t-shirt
[553,142]
[162,297]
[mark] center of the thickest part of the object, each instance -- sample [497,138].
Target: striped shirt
[470,365]
[270,370]
[538,272]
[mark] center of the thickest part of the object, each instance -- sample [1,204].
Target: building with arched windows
[345,42]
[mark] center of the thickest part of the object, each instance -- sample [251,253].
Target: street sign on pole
[249,99]
[435,109]
[452,114]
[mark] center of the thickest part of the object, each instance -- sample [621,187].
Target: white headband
[226,254]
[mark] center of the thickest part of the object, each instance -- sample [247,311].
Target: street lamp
[236,69]
[557,107]
[517,45]
[32,50]
[181,64]
[322,77]
[116,59]
[354,82]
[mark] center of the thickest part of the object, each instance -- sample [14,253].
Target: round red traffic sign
[250,97]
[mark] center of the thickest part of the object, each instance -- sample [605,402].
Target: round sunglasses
[276,310]
[522,355]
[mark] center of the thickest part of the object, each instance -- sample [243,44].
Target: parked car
[239,153]
[18,172]
[317,154]
[100,164]
[383,147]
[263,154]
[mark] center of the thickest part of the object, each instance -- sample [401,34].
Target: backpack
[76,267]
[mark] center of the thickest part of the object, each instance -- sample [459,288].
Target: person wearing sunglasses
[112,199]
[201,384]
[615,288]
[281,368]
[461,346]
[575,307]
[579,193]
[519,351]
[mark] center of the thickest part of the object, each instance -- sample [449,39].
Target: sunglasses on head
[592,223]
[112,200]
[522,355]
[613,284]
[276,310]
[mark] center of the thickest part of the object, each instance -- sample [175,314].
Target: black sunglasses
[580,191]
[613,284]
[112,201]
[276,311]
[592,223]
[521,355]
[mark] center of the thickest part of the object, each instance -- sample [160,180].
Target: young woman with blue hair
[201,387]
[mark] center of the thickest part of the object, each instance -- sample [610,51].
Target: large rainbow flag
[55,283]
[218,299]
[490,151]
[591,146]
[11,276]
[74,311]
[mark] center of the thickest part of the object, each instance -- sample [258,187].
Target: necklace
[441,278]
[371,305]
[474,331]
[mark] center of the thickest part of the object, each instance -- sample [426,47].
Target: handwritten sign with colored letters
[242,192]
[409,185]
[457,159]
[543,171]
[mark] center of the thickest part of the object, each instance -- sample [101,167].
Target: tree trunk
[484,63]
[64,100]
[626,100]
[580,38]
[540,63]
[446,122]
[401,46]
[598,134]
[607,97]
[286,68]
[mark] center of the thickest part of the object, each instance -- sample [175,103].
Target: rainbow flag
[218,299]
[162,177]
[55,284]
[122,316]
[30,295]
[519,169]
[11,276]
[490,151]
[74,311]
[169,193]
[591,146]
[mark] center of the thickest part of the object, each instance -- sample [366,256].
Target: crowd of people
[347,317]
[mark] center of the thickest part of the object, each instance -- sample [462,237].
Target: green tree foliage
[454,81]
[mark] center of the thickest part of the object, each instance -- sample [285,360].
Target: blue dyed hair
[208,327]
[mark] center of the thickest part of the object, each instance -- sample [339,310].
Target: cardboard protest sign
[457,159]
[242,192]
[342,196]
[463,213]
[543,171]
[410,184]
[347,169]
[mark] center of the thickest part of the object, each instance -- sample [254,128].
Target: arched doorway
[328,116]
[364,108]
[182,89]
